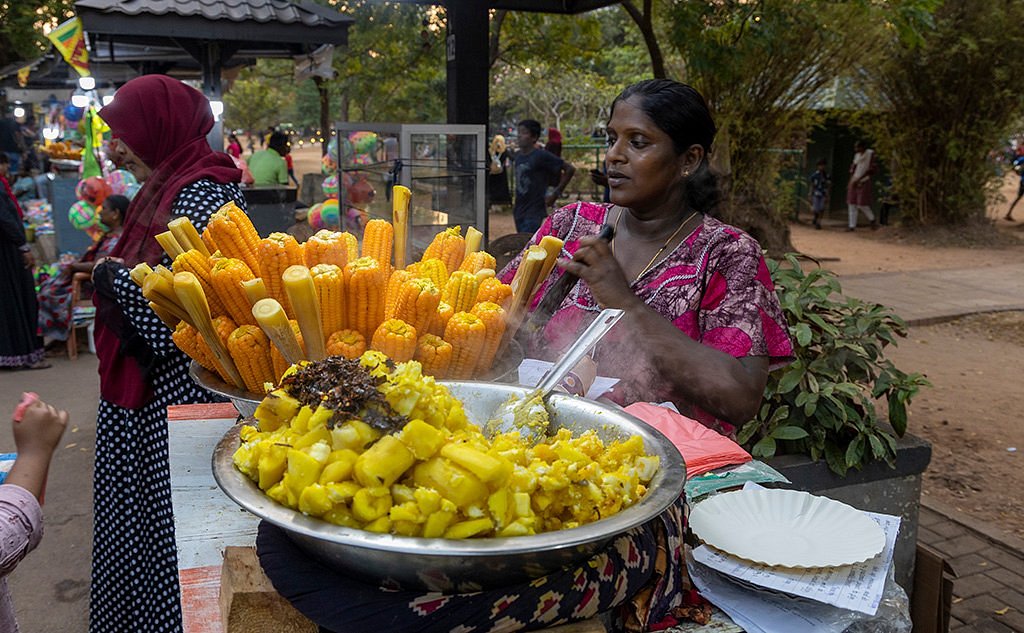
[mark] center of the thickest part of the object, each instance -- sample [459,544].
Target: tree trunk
[325,111]
[495,36]
[759,221]
[644,20]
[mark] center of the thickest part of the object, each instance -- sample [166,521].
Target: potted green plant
[819,424]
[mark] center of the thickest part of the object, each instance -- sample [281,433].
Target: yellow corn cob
[417,303]
[277,253]
[378,240]
[552,248]
[211,244]
[270,316]
[394,291]
[277,359]
[460,292]
[467,335]
[494,291]
[188,340]
[165,315]
[250,349]
[448,246]
[400,197]
[435,354]
[301,291]
[227,276]
[494,320]
[329,281]
[351,246]
[396,338]
[222,328]
[364,295]
[433,269]
[326,247]
[169,244]
[347,343]
[474,238]
[190,295]
[192,261]
[187,236]
[255,290]
[140,272]
[477,261]
[440,321]
[234,235]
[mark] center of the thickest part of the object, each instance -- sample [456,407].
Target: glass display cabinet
[442,164]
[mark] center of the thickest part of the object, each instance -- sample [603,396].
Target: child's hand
[40,429]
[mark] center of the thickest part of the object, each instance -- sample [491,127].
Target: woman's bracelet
[573,384]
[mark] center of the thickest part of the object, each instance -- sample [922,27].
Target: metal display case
[442,164]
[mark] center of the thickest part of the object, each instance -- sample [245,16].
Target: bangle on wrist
[573,385]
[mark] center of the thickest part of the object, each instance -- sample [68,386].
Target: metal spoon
[514,414]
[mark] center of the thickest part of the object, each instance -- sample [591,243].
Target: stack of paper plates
[787,528]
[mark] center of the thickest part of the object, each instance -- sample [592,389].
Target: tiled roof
[261,11]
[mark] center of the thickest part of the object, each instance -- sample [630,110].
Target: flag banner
[23,74]
[69,39]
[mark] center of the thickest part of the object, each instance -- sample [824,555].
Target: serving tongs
[528,415]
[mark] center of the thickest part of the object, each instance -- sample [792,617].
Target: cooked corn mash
[438,476]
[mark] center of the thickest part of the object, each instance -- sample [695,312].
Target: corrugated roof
[262,11]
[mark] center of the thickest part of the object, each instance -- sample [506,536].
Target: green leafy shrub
[823,404]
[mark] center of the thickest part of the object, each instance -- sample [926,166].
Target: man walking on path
[534,166]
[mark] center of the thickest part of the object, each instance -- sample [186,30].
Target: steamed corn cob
[351,246]
[461,290]
[435,354]
[187,236]
[165,315]
[347,343]
[277,253]
[227,276]
[234,235]
[250,349]
[364,295]
[192,261]
[396,338]
[223,327]
[326,247]
[552,248]
[448,246]
[433,269]
[494,321]
[270,316]
[394,291]
[417,303]
[190,294]
[378,241]
[477,261]
[494,291]
[187,339]
[474,239]
[400,197]
[440,320]
[211,244]
[467,335]
[301,291]
[329,281]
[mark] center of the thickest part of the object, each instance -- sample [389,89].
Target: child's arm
[36,437]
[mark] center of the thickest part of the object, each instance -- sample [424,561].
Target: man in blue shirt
[533,167]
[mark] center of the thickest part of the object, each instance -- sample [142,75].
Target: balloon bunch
[84,214]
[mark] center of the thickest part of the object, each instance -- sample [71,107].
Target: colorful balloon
[330,186]
[120,180]
[330,214]
[83,216]
[313,216]
[93,190]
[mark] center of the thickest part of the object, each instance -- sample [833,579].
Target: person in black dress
[160,125]
[21,347]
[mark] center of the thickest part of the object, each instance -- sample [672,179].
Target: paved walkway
[988,595]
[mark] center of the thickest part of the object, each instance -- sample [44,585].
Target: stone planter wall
[876,488]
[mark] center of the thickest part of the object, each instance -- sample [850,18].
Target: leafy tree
[949,97]
[762,66]
[556,97]
[21,27]
[260,97]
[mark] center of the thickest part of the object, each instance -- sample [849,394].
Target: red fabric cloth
[10,194]
[703,449]
[164,122]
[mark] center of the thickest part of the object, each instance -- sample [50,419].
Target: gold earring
[686,174]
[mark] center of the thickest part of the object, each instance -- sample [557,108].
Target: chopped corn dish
[438,475]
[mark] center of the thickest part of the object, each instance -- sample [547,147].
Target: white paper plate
[787,528]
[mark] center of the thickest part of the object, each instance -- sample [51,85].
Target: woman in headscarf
[160,126]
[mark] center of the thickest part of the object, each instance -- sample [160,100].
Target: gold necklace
[660,250]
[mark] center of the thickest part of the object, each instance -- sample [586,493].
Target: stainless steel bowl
[470,564]
[505,370]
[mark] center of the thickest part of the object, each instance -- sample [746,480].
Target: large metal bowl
[505,370]
[470,564]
